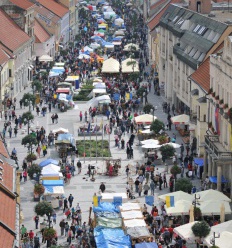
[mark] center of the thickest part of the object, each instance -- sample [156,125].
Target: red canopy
[63,90]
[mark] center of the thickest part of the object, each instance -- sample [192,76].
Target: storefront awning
[214,179]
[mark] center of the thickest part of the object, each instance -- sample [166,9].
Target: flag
[170,201]
[95,201]
[149,200]
[88,130]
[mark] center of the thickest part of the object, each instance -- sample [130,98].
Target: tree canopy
[43,208]
[156,126]
[183,184]
[36,84]
[27,116]
[28,97]
[201,229]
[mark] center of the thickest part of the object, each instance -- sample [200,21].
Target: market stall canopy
[94,45]
[126,215]
[45,58]
[185,232]
[214,179]
[147,131]
[54,190]
[211,194]
[60,130]
[99,91]
[53,182]
[100,99]
[180,119]
[150,141]
[109,222]
[86,48]
[213,207]
[110,66]
[119,33]
[83,56]
[151,146]
[107,44]
[110,196]
[138,232]
[106,207]
[66,137]
[131,47]
[134,222]
[129,206]
[59,64]
[174,145]
[130,66]
[71,78]
[146,245]
[145,119]
[98,80]
[47,162]
[118,21]
[63,90]
[178,195]
[99,85]
[181,207]
[220,228]
[50,169]
[224,241]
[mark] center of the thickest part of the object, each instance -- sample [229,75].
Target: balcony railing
[213,144]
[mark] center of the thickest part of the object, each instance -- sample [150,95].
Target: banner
[149,200]
[170,201]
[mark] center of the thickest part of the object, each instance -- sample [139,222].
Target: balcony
[213,144]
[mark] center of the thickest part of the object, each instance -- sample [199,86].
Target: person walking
[38,150]
[36,221]
[80,116]
[65,204]
[146,188]
[140,189]
[152,187]
[79,166]
[102,187]
[70,200]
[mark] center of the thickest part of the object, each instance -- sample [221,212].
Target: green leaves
[167,151]
[43,208]
[36,85]
[28,97]
[183,184]
[30,139]
[201,229]
[34,168]
[156,126]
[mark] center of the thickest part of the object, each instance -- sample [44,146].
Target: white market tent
[151,146]
[211,194]
[175,145]
[220,228]
[181,207]
[150,141]
[118,21]
[127,215]
[119,33]
[50,169]
[99,85]
[178,195]
[180,119]
[214,207]
[145,119]
[185,232]
[45,58]
[128,47]
[100,99]
[86,48]
[60,130]
[131,67]
[128,206]
[55,190]
[110,196]
[110,66]
[134,222]
[224,241]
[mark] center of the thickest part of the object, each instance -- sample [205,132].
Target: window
[201,57]
[197,55]
[193,51]
[180,21]
[196,28]
[201,30]
[175,19]
[10,73]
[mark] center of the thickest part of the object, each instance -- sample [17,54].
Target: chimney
[200,6]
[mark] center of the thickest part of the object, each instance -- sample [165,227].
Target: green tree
[36,86]
[175,170]
[27,98]
[197,213]
[44,208]
[27,117]
[29,141]
[201,229]
[183,184]
[147,108]
[167,151]
[34,168]
[156,126]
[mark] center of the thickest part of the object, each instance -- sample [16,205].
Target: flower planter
[36,197]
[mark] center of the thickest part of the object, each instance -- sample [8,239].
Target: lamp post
[154,108]
[195,203]
[212,241]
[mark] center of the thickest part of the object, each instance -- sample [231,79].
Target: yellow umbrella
[222,213]
[191,214]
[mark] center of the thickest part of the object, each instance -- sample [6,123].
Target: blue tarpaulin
[109,238]
[199,161]
[53,182]
[47,162]
[106,207]
[146,245]
[66,136]
[149,200]
[214,179]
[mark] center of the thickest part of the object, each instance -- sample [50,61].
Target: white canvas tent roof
[128,47]
[181,207]
[45,58]
[132,215]
[100,99]
[214,207]
[110,66]
[211,194]
[145,119]
[134,222]
[180,119]
[178,195]
[50,169]
[224,241]
[60,130]
[129,206]
[129,68]
[185,232]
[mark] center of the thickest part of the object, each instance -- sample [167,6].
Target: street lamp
[195,201]
[153,109]
[212,241]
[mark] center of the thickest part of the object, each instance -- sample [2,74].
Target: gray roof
[171,21]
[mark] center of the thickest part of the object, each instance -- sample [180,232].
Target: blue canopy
[107,238]
[214,179]
[66,136]
[96,38]
[47,162]
[116,39]
[106,207]
[53,183]
[105,43]
[199,161]
[146,245]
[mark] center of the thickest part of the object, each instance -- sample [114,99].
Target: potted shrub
[156,126]
[175,170]
[49,233]
[38,191]
[31,157]
[183,184]
[201,229]
[147,108]
[33,169]
[162,139]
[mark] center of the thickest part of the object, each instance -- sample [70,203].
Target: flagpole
[102,143]
[90,133]
[96,140]
[84,145]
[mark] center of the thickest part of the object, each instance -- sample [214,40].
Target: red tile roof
[3,150]
[54,7]
[41,12]
[202,75]
[4,57]
[11,35]
[41,35]
[23,4]
[156,4]
[154,22]
[6,238]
